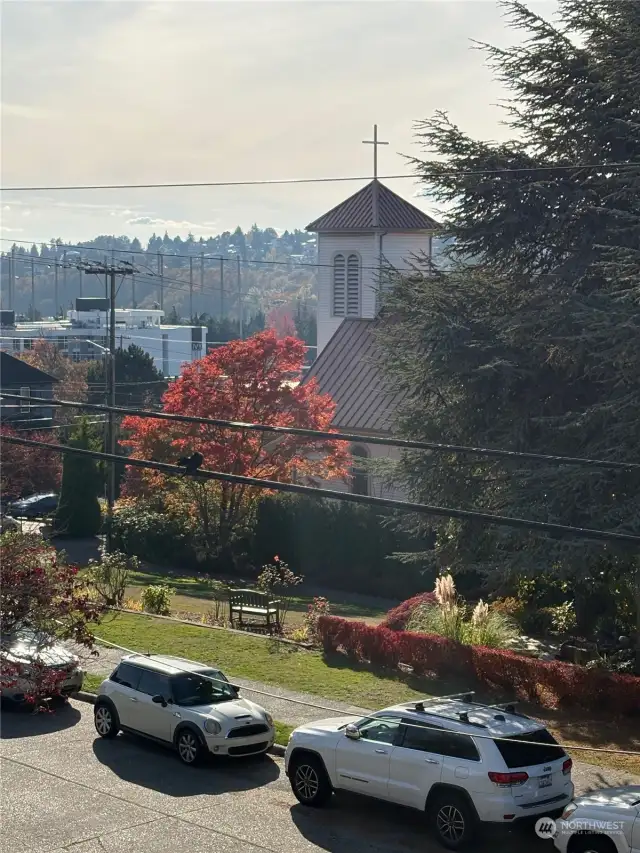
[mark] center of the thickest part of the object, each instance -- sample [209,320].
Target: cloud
[10,230]
[171,224]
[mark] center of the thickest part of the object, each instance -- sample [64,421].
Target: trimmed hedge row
[551,684]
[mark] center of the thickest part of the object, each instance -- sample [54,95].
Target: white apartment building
[86,330]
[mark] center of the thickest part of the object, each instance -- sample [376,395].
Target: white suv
[190,706]
[441,756]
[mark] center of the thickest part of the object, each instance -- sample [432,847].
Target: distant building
[85,332]
[357,240]
[18,377]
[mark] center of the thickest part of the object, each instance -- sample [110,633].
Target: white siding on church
[397,249]
[377,487]
[328,246]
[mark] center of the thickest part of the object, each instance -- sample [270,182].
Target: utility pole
[12,272]
[221,288]
[190,289]
[133,284]
[240,305]
[33,288]
[161,274]
[202,272]
[110,271]
[64,273]
[55,283]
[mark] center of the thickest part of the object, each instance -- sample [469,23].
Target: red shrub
[398,617]
[551,684]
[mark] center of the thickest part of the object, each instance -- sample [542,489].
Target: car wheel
[591,844]
[106,720]
[309,781]
[452,821]
[190,748]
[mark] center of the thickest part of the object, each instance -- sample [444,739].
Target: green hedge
[338,545]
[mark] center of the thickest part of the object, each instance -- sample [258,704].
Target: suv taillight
[566,767]
[508,778]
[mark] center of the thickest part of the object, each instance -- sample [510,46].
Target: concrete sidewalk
[294,708]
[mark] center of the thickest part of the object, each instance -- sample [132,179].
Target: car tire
[309,780]
[105,719]
[452,820]
[591,844]
[191,750]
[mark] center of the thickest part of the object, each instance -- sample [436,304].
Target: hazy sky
[119,92]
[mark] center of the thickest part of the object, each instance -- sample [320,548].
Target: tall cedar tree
[79,511]
[255,380]
[527,339]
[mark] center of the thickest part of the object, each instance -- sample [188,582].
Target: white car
[440,756]
[35,662]
[190,706]
[605,821]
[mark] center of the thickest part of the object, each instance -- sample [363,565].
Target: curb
[90,699]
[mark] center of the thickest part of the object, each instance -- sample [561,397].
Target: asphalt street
[63,788]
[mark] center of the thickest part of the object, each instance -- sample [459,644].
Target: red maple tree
[256,380]
[25,470]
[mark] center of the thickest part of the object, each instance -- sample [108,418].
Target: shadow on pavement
[20,721]
[142,762]
[340,826]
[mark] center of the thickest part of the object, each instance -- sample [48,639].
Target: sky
[183,90]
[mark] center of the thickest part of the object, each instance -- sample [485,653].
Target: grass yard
[196,595]
[337,678]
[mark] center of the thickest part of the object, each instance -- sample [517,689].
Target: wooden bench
[249,605]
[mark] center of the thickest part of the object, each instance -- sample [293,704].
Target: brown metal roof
[346,370]
[374,206]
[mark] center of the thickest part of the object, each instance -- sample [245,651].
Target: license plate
[544,781]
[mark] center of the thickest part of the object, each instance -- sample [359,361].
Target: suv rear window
[518,754]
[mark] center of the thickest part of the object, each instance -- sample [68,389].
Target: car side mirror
[159,700]
[352,732]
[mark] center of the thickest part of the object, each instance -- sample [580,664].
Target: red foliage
[42,593]
[28,469]
[280,320]
[398,617]
[256,380]
[551,684]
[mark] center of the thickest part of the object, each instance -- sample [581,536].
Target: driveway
[65,789]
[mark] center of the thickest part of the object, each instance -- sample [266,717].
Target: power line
[276,181]
[320,435]
[387,503]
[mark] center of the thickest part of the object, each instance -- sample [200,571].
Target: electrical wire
[321,435]
[318,494]
[379,715]
[276,181]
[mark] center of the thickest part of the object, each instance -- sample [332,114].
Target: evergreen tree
[528,340]
[138,380]
[78,513]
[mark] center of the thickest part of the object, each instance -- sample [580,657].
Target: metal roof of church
[347,370]
[374,206]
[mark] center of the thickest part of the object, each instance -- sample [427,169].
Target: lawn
[337,678]
[196,595]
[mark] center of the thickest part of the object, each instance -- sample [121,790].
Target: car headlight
[566,814]
[268,718]
[212,726]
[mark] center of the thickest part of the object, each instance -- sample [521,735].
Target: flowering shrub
[397,618]
[276,578]
[551,684]
[41,593]
[319,607]
[157,599]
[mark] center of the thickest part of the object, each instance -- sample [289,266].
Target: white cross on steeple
[375,144]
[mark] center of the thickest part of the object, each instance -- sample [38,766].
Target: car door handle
[381,751]
[133,699]
[431,761]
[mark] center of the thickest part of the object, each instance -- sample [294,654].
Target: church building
[368,232]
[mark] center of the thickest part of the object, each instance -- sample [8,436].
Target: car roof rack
[467,697]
